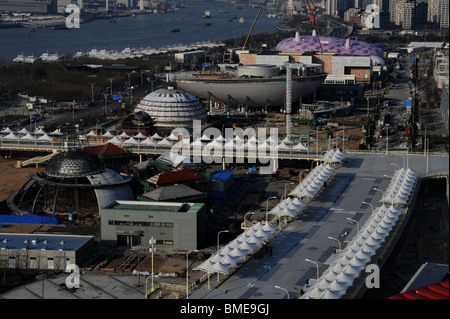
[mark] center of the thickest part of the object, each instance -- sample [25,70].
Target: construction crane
[312,16]
[254,22]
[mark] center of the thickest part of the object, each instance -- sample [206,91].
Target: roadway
[307,235]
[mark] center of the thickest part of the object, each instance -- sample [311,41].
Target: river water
[142,31]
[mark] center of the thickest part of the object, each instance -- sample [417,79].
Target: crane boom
[312,15]
[254,22]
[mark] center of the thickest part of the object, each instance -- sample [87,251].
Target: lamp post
[377,189]
[366,203]
[285,185]
[245,216]
[267,207]
[187,272]
[287,292]
[317,283]
[152,241]
[42,277]
[357,226]
[396,165]
[92,90]
[340,252]
[139,233]
[222,231]
[305,170]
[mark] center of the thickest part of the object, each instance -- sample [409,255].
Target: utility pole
[92,90]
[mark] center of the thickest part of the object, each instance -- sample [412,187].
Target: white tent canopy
[124,135]
[45,137]
[40,132]
[131,141]
[28,137]
[108,134]
[115,140]
[7,130]
[11,136]
[23,131]
[164,143]
[140,135]
[56,132]
[156,136]
[148,142]
[92,134]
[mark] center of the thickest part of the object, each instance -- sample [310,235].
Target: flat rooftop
[42,241]
[155,206]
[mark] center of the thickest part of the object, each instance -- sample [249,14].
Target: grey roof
[427,274]
[172,192]
[42,241]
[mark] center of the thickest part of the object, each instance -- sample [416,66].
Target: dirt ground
[12,178]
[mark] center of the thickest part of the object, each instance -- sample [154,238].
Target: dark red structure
[435,291]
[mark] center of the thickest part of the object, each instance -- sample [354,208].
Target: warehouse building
[171,225]
[44,251]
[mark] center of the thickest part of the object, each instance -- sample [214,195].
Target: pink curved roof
[331,45]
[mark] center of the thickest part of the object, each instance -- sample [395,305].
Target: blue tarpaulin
[15,219]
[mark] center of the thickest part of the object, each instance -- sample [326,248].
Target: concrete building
[44,251]
[437,12]
[33,6]
[433,11]
[444,106]
[342,88]
[404,14]
[172,225]
[336,8]
[444,12]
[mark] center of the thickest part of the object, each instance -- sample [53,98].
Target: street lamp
[267,206]
[396,165]
[366,203]
[287,292]
[245,216]
[139,233]
[317,283]
[392,197]
[340,252]
[187,272]
[357,226]
[42,277]
[92,90]
[222,231]
[286,184]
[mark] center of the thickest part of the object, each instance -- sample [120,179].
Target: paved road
[307,236]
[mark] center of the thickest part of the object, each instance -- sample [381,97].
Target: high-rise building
[336,8]
[444,19]
[433,11]
[404,14]
[420,14]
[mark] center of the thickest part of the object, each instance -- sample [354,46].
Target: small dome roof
[74,164]
[170,106]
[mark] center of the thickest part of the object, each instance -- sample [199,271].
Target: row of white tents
[333,156]
[400,187]
[24,134]
[236,250]
[252,238]
[349,263]
[251,144]
[313,182]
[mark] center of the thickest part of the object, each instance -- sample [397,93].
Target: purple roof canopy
[332,45]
